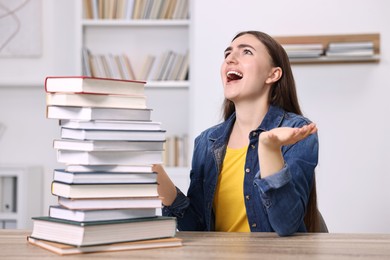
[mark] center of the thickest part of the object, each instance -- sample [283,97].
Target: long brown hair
[283,94]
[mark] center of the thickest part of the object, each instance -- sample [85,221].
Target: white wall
[348,102]
[28,136]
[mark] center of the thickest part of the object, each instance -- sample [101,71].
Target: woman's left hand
[280,136]
[270,143]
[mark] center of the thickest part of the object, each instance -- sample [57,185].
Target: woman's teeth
[234,75]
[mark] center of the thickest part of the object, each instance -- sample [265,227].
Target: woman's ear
[275,75]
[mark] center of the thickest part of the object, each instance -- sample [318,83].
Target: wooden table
[218,245]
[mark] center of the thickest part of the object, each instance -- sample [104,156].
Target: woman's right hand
[166,188]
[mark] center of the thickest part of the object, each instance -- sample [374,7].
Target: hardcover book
[83,215]
[122,135]
[83,84]
[98,113]
[109,157]
[109,203]
[107,190]
[61,175]
[102,232]
[111,125]
[64,249]
[95,100]
[108,168]
[106,145]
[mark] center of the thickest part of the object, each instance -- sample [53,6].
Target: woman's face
[247,72]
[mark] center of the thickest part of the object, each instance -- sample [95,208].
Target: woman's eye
[247,51]
[226,54]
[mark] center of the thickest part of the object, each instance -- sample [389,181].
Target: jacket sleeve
[285,194]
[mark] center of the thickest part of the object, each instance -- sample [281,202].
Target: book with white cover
[110,203]
[342,46]
[98,113]
[82,215]
[111,125]
[61,175]
[123,135]
[109,157]
[95,100]
[107,190]
[83,84]
[108,168]
[104,145]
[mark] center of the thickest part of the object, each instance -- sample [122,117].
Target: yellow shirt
[229,205]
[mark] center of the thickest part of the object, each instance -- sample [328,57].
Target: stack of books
[350,49]
[304,50]
[107,191]
[136,9]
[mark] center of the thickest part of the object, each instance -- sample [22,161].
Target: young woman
[254,172]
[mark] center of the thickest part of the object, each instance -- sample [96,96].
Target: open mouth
[233,75]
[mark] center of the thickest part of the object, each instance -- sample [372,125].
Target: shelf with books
[368,50]
[143,40]
[136,9]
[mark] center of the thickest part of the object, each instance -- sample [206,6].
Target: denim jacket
[276,203]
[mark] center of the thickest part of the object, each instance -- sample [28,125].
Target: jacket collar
[272,119]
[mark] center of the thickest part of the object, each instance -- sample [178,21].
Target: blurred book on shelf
[176,151]
[311,50]
[136,9]
[350,49]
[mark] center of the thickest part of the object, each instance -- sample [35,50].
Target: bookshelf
[137,39]
[340,38]
[21,195]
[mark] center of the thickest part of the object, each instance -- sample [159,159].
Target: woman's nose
[231,58]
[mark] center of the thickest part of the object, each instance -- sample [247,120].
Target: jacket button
[253,146]
[254,225]
[247,197]
[247,170]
